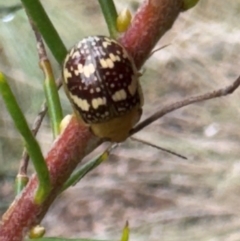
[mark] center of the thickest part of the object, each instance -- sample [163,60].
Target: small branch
[177,105]
[35,128]
[110,14]
[23,166]
[50,87]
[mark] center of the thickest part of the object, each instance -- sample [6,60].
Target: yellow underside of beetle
[117,129]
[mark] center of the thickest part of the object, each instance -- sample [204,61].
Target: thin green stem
[50,86]
[86,168]
[30,142]
[37,13]
[53,101]
[110,14]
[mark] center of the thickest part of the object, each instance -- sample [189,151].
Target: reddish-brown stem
[151,21]
[149,24]
[65,154]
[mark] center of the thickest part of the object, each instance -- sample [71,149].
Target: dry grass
[163,197]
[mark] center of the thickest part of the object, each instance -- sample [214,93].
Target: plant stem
[30,142]
[51,93]
[86,168]
[37,13]
[110,14]
[50,86]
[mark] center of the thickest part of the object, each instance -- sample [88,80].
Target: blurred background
[162,196]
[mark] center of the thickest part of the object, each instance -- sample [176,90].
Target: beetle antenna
[158,147]
[157,49]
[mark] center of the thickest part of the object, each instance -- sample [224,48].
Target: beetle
[102,83]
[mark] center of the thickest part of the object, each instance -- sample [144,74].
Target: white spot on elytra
[98,101]
[88,70]
[103,63]
[105,44]
[118,58]
[119,95]
[76,72]
[112,57]
[81,103]
[66,74]
[110,63]
[80,68]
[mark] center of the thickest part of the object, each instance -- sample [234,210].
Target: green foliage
[46,28]
[110,15]
[83,170]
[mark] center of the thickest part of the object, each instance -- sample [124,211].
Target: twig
[50,87]
[179,104]
[35,128]
[48,83]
